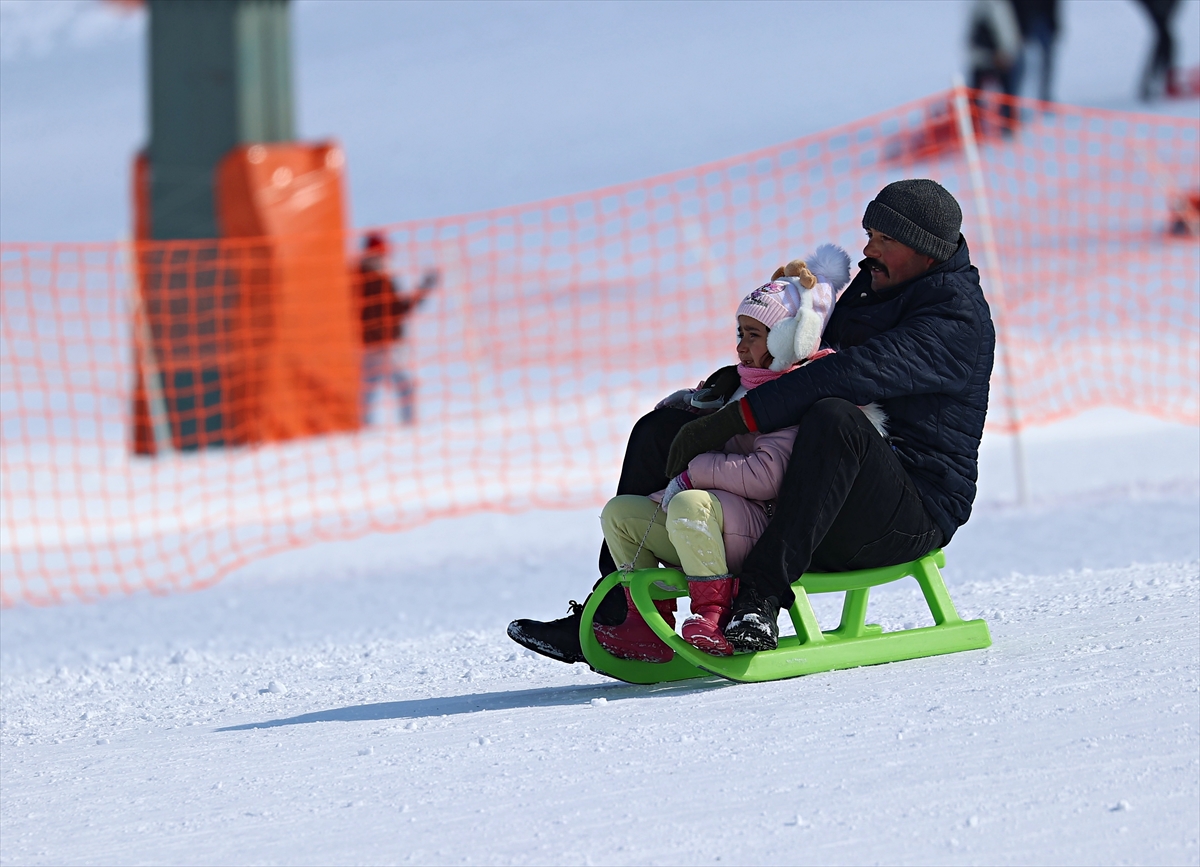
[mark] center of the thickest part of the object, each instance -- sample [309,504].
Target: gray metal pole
[995,275]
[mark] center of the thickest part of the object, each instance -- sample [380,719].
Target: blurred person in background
[1159,77]
[1038,23]
[383,309]
[994,52]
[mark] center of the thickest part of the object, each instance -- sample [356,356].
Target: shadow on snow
[446,706]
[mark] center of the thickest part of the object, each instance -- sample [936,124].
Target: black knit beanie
[918,213]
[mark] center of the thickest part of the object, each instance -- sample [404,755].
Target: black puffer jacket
[923,350]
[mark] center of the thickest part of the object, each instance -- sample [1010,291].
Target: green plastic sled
[810,650]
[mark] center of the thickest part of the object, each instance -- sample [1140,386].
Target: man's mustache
[867,264]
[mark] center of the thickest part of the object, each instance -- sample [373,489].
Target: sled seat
[853,643]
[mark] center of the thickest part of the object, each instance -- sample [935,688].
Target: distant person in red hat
[384,307]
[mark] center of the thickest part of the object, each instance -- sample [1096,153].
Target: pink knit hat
[771,303]
[797,304]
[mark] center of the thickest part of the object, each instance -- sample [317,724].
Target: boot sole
[635,652]
[541,647]
[711,646]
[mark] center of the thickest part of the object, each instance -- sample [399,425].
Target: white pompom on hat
[796,304]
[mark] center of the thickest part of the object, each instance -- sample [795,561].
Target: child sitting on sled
[709,517]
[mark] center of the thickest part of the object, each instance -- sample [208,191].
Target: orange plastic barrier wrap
[557,324]
[248,341]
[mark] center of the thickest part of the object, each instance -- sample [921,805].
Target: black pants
[1007,80]
[845,503]
[1162,56]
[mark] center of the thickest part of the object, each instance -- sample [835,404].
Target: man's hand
[704,435]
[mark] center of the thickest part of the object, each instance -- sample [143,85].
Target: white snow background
[359,702]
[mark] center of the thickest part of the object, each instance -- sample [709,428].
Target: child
[712,514]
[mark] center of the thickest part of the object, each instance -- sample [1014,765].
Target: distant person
[1038,23]
[383,310]
[1159,77]
[994,51]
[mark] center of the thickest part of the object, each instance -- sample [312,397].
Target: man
[1038,21]
[1159,78]
[994,53]
[913,333]
[383,311]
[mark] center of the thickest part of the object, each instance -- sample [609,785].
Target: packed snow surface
[359,703]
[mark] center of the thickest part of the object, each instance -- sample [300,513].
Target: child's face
[752,343]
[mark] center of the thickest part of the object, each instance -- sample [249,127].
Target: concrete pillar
[220,76]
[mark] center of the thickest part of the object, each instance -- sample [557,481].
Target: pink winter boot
[712,603]
[634,639]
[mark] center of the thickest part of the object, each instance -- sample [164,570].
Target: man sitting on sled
[913,333]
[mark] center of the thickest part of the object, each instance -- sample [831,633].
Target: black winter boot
[755,622]
[557,639]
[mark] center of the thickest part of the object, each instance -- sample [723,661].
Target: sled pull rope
[627,568]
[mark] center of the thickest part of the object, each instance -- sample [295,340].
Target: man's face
[891,262]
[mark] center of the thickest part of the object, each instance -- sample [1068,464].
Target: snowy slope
[359,703]
[1072,741]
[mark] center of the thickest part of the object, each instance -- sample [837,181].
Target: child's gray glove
[677,485]
[712,394]
[681,399]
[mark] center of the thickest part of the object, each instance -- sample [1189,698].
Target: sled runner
[855,642]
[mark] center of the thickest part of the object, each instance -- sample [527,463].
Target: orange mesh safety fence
[553,326]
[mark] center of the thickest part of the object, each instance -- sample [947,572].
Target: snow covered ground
[359,702]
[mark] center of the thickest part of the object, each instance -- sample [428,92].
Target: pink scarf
[752,377]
